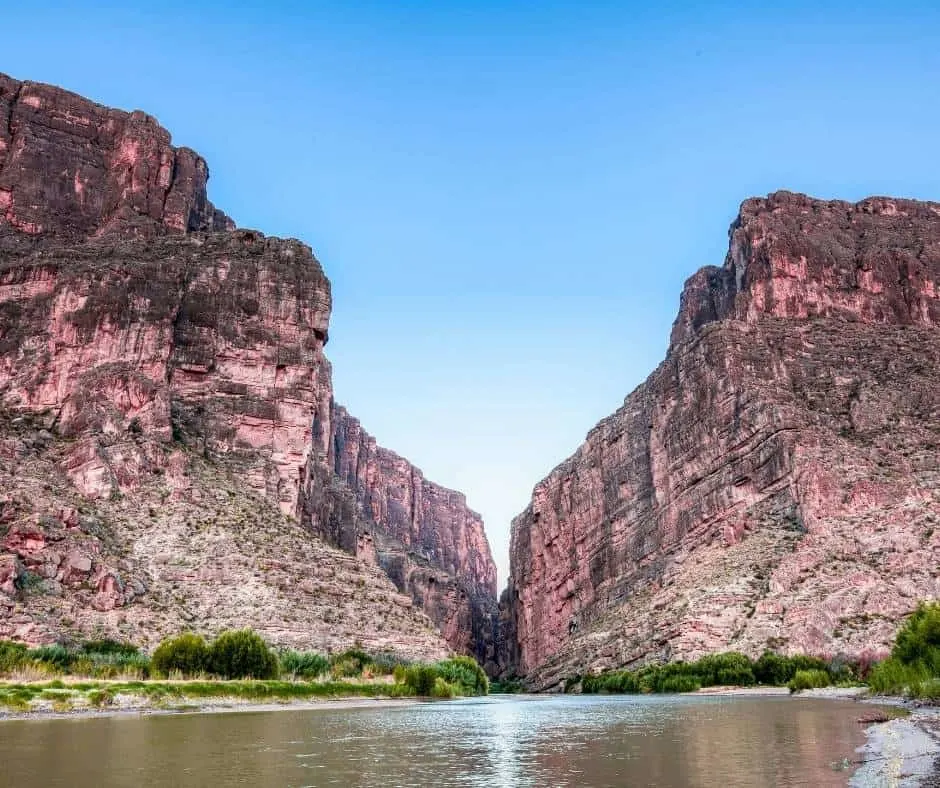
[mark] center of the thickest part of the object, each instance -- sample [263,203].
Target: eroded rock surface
[189,548]
[427,539]
[142,336]
[775,483]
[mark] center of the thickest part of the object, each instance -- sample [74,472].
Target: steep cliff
[149,346]
[424,536]
[775,483]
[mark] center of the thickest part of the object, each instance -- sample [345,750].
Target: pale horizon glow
[507,198]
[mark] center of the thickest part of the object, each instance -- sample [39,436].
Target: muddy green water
[497,742]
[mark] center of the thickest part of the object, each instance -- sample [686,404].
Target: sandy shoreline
[137,707]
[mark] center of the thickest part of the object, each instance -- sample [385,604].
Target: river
[497,742]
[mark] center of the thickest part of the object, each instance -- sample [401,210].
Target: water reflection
[498,742]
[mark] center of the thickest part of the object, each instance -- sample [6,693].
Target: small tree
[238,654]
[186,653]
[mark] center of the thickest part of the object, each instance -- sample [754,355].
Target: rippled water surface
[497,742]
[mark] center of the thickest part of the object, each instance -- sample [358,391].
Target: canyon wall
[427,539]
[775,483]
[147,345]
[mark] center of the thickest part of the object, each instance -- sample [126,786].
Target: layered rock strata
[143,336]
[427,539]
[775,483]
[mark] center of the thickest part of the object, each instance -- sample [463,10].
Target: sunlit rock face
[75,169]
[140,330]
[775,483]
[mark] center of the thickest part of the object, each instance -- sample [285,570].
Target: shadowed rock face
[428,540]
[140,331]
[775,483]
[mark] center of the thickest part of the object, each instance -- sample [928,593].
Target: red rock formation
[141,328]
[426,538]
[775,483]
[75,169]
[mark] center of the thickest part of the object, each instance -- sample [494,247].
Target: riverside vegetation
[912,670]
[238,664]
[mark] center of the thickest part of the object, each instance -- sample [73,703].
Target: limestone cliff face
[775,483]
[141,333]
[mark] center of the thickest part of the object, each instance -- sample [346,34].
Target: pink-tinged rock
[9,573]
[109,591]
[75,568]
[26,539]
[774,483]
[430,542]
[135,320]
[77,169]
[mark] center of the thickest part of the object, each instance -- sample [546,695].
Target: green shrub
[442,689]
[679,684]
[399,674]
[777,670]
[730,668]
[420,679]
[809,679]
[12,655]
[242,653]
[100,697]
[58,656]
[109,665]
[350,663]
[109,646]
[384,663]
[302,664]
[187,654]
[612,682]
[893,677]
[927,690]
[623,681]
[346,669]
[465,674]
[918,641]
[841,669]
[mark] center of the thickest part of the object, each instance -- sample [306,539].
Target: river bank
[137,705]
[901,753]
[77,698]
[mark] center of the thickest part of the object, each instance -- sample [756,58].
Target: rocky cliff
[147,346]
[775,483]
[423,535]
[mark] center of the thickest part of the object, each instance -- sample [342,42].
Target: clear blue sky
[507,196]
